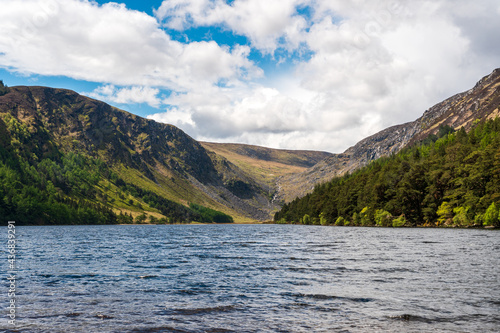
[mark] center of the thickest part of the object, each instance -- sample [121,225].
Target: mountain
[449,181]
[280,161]
[266,165]
[56,138]
[462,110]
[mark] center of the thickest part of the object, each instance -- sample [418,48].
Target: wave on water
[451,319]
[410,317]
[329,297]
[69,315]
[196,311]
[148,276]
[169,329]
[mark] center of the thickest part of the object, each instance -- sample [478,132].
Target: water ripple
[256,278]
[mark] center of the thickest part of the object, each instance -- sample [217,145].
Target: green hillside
[71,188]
[266,164]
[449,181]
[68,159]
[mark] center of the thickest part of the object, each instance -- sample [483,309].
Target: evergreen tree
[453,180]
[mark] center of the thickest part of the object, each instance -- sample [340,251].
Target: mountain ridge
[452,180]
[461,110]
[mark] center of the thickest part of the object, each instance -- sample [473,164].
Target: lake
[254,278]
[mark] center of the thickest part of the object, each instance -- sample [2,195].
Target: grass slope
[263,164]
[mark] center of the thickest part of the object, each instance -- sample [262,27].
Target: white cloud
[284,117]
[263,22]
[478,21]
[128,95]
[110,44]
[260,110]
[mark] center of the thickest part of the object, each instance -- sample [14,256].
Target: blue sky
[295,74]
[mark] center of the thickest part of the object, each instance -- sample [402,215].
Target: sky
[291,74]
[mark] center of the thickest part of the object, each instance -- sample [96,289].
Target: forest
[41,185]
[451,179]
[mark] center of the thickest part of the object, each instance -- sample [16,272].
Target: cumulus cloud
[264,22]
[110,44]
[283,117]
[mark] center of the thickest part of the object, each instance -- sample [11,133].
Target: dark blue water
[255,278]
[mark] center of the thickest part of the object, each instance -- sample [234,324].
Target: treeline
[3,88]
[210,215]
[176,213]
[453,181]
[65,189]
[50,192]
[41,185]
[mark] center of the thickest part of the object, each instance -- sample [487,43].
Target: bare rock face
[462,110]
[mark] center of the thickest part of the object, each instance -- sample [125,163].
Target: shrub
[445,213]
[125,219]
[141,218]
[462,218]
[491,216]
[356,220]
[383,218]
[209,215]
[479,219]
[399,222]
[366,216]
[322,219]
[341,221]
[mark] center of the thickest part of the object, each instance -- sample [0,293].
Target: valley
[53,139]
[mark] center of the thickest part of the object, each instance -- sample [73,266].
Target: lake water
[254,278]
